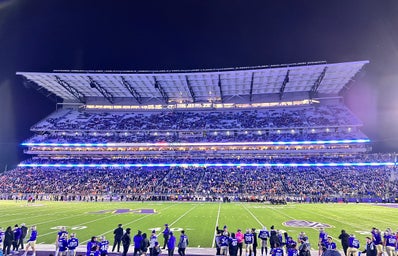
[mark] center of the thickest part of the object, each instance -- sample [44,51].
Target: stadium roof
[221,85]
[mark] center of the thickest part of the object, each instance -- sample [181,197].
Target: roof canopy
[198,85]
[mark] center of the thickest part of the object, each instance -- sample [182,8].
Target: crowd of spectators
[275,158]
[325,122]
[314,122]
[146,182]
[307,116]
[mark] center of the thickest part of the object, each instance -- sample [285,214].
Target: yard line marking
[195,206]
[67,217]
[171,224]
[361,217]
[379,220]
[128,223]
[44,209]
[124,224]
[56,231]
[50,214]
[40,216]
[259,222]
[218,217]
[334,219]
[294,218]
[47,207]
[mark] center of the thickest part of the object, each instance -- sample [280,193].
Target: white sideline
[81,251]
[218,216]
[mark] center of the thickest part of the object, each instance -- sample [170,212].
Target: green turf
[198,219]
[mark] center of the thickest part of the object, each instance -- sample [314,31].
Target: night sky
[42,36]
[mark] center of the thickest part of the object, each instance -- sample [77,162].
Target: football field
[199,220]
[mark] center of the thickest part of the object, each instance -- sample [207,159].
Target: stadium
[252,140]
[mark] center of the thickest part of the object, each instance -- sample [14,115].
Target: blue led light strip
[165,144]
[210,165]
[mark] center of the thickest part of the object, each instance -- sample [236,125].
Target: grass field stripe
[91,221]
[182,216]
[358,215]
[128,223]
[290,217]
[87,206]
[218,217]
[388,223]
[334,219]
[63,211]
[49,221]
[259,222]
[67,217]
[50,214]
[174,222]
[17,213]
[22,212]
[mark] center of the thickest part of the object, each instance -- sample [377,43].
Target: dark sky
[134,35]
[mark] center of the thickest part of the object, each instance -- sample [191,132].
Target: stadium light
[165,144]
[137,165]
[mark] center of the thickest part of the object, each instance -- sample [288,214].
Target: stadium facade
[200,133]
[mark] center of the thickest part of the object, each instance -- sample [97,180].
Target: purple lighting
[210,165]
[165,144]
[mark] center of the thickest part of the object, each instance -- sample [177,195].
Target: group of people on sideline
[281,244]
[15,237]
[377,243]
[123,239]
[148,245]
[230,243]
[227,243]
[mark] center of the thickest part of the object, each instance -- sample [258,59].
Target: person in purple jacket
[137,243]
[17,235]
[292,251]
[376,238]
[73,243]
[322,241]
[171,244]
[63,245]
[353,246]
[92,247]
[391,244]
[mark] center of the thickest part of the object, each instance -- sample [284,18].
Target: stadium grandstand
[252,133]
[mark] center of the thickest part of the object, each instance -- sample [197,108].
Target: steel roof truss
[220,87]
[72,90]
[285,81]
[317,83]
[190,89]
[132,91]
[94,84]
[159,87]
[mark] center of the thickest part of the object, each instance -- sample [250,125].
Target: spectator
[183,243]
[126,241]
[118,234]
[137,243]
[171,243]
[344,241]
[8,238]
